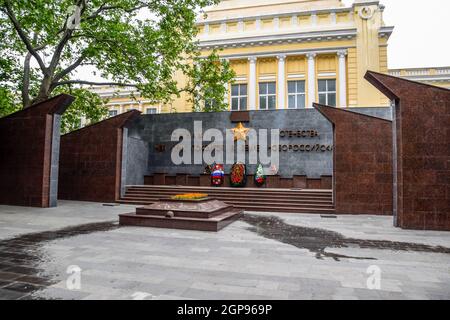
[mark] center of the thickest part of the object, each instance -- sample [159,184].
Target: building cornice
[276,15]
[429,78]
[128,102]
[386,31]
[269,54]
[344,34]
[367,3]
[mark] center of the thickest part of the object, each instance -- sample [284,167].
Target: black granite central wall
[150,132]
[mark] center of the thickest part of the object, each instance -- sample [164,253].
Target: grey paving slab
[236,263]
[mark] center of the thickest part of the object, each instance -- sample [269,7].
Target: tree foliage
[136,43]
[207,79]
[7,105]
[87,106]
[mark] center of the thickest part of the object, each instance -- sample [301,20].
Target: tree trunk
[26,101]
[44,91]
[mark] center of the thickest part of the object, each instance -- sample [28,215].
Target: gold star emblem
[240,132]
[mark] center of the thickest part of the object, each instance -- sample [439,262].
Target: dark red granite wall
[362,162]
[91,161]
[26,139]
[422,137]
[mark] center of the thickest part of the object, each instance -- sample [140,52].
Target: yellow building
[120,100]
[289,54]
[435,76]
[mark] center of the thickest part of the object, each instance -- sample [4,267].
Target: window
[151,111]
[267,95]
[112,113]
[296,94]
[238,97]
[327,92]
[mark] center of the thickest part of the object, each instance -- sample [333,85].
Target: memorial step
[201,224]
[185,212]
[228,194]
[238,201]
[155,197]
[232,190]
[262,208]
[250,199]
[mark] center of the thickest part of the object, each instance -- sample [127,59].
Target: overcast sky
[421,35]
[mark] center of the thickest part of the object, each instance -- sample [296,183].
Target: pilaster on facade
[241,25]
[276,24]
[258,24]
[333,18]
[314,19]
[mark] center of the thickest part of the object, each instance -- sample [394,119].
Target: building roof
[232,9]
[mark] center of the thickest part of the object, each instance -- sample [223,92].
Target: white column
[311,78]
[252,84]
[342,79]
[282,82]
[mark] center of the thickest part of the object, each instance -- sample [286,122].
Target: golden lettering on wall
[298,133]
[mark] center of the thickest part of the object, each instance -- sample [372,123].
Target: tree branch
[104,8]
[26,99]
[26,81]
[69,69]
[23,36]
[65,38]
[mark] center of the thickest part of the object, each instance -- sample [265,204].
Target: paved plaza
[78,251]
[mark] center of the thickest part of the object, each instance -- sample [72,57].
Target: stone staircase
[249,199]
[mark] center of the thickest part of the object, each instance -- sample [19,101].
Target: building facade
[120,100]
[439,77]
[288,54]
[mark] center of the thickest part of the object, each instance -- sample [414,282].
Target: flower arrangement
[190,196]
[238,175]
[217,175]
[260,177]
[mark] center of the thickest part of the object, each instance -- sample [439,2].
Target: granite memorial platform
[206,214]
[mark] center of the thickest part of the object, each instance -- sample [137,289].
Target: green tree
[87,105]
[206,86]
[7,105]
[133,43]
